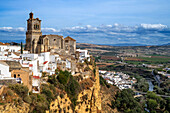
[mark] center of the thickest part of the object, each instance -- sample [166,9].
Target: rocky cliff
[89,100]
[13,108]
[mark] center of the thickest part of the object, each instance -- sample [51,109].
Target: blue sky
[90,21]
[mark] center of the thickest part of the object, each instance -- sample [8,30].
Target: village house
[83,54]
[22,77]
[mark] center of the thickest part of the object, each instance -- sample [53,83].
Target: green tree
[126,102]
[152,104]
[63,77]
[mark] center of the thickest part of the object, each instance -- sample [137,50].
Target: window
[18,75]
[54,39]
[36,27]
[14,75]
[66,41]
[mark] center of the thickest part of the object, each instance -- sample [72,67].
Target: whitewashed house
[83,54]
[4,70]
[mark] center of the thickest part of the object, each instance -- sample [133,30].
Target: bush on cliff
[72,87]
[63,77]
[19,89]
[103,82]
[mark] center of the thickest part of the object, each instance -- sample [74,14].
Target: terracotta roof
[4,43]
[68,37]
[45,62]
[52,35]
[30,65]
[36,77]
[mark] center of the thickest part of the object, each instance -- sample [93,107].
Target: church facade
[37,43]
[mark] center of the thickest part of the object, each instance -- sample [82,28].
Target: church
[38,43]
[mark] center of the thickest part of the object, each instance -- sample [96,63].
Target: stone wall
[24,76]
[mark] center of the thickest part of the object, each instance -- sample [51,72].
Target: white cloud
[109,25]
[6,28]
[88,26]
[116,24]
[153,26]
[115,33]
[10,29]
[20,29]
[49,30]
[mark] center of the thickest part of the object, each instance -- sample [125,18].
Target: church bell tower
[33,33]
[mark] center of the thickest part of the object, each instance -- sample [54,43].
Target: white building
[102,71]
[83,54]
[9,48]
[4,70]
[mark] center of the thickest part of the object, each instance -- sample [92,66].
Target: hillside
[124,50]
[61,92]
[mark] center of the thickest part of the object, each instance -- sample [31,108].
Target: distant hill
[125,44]
[168,44]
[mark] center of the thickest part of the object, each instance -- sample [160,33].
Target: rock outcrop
[13,108]
[89,100]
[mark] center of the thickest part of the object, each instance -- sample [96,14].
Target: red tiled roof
[36,77]
[45,62]
[30,65]
[68,37]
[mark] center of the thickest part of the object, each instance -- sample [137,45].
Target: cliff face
[61,105]
[13,108]
[89,100]
[108,94]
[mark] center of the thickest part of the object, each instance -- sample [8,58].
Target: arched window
[14,75]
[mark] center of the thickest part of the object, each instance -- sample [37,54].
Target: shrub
[63,77]
[61,95]
[27,99]
[112,104]
[20,101]
[94,71]
[103,82]
[52,80]
[48,93]
[21,90]
[10,92]
[151,104]
[33,99]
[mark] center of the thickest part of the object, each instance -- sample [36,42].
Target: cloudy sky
[90,21]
